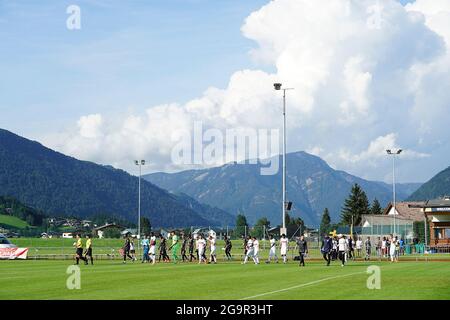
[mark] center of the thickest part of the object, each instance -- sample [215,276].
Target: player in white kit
[272,250]
[201,245]
[212,254]
[152,251]
[284,242]
[250,251]
[392,248]
[255,250]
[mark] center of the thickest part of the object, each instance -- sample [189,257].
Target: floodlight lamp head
[389,151]
[136,162]
[277,86]
[399,151]
[143,162]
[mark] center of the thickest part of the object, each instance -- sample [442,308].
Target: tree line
[355,206]
[262,225]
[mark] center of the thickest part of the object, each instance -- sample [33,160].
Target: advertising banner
[13,253]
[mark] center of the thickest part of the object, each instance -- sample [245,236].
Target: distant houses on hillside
[69,222]
[100,231]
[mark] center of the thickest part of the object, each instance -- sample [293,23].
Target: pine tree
[287,219]
[261,225]
[263,222]
[241,221]
[298,222]
[291,221]
[376,207]
[146,226]
[355,205]
[241,225]
[325,224]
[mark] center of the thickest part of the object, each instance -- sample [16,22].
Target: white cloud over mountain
[368,75]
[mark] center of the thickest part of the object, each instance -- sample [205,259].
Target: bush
[112,233]
[419,231]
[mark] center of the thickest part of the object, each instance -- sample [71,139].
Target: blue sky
[132,55]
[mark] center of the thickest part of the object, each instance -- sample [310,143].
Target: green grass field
[10,221]
[110,279]
[43,279]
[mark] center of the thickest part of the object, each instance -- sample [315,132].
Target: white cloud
[357,83]
[357,87]
[316,150]
[90,126]
[377,150]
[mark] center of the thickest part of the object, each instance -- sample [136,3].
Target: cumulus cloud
[90,126]
[368,75]
[377,150]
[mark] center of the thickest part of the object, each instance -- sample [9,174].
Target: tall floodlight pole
[394,153]
[139,163]
[278,87]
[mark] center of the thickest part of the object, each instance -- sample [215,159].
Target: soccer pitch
[44,279]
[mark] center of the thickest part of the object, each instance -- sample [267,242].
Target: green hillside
[14,222]
[14,212]
[437,187]
[61,185]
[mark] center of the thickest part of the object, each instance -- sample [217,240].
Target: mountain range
[61,185]
[311,184]
[435,188]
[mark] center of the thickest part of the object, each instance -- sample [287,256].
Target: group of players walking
[194,248]
[343,248]
[251,249]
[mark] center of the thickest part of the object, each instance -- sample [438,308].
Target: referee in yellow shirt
[88,252]
[79,253]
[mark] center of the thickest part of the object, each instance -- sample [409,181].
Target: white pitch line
[301,285]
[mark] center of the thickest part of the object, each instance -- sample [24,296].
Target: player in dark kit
[302,250]
[327,246]
[350,248]
[183,249]
[368,246]
[228,247]
[163,250]
[126,250]
[191,249]
[244,244]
